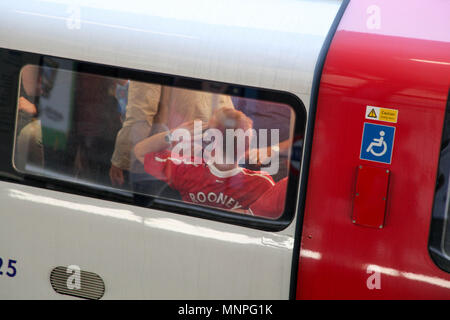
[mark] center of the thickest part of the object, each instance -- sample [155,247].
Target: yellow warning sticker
[373,114]
[381,114]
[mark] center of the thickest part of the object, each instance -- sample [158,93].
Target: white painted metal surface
[263,43]
[142,253]
[139,253]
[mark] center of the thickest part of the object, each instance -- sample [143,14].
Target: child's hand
[27,106]
[260,156]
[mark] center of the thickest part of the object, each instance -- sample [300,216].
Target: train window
[439,244]
[200,143]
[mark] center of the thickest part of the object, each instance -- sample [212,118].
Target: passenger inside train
[211,178]
[84,128]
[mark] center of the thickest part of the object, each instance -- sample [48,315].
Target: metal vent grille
[89,285]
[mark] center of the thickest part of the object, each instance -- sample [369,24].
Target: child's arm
[153,143]
[161,141]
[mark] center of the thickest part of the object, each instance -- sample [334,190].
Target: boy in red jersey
[207,180]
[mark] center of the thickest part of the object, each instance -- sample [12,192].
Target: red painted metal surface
[392,66]
[370,197]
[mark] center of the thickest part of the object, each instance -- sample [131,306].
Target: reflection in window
[439,243]
[186,145]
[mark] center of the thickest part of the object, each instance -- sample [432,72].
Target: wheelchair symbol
[378,143]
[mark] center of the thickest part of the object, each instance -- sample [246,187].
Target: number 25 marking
[11,266]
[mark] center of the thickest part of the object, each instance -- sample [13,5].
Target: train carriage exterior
[359,91]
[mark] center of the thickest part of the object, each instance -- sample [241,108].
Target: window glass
[440,226]
[193,146]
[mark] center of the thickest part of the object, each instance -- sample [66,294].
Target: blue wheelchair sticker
[377,143]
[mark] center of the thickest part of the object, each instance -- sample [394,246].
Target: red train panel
[391,57]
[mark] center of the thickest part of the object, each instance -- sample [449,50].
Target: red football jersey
[271,204]
[204,184]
